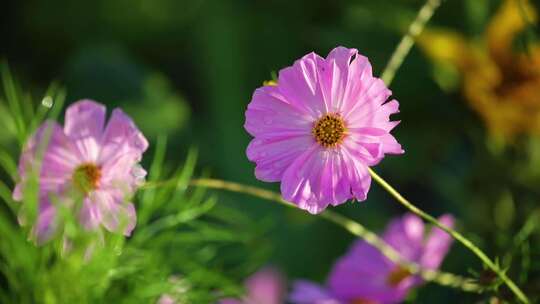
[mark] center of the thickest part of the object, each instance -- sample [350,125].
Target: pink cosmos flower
[365,276]
[88,159]
[266,286]
[319,128]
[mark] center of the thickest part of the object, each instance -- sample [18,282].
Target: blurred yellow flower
[501,84]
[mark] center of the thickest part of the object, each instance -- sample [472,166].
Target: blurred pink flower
[319,128]
[89,159]
[366,276]
[266,286]
[166,299]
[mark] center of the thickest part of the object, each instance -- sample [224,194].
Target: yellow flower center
[86,177]
[397,276]
[329,130]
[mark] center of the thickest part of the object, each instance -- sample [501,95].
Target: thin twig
[406,43]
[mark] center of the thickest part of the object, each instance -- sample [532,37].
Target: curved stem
[407,41]
[456,235]
[401,51]
[355,228]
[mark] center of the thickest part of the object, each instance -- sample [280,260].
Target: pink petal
[342,56]
[299,184]
[90,215]
[364,148]
[377,116]
[363,274]
[390,145]
[369,100]
[115,213]
[336,179]
[46,222]
[302,181]
[56,166]
[121,137]
[274,156]
[300,85]
[333,82]
[363,126]
[371,149]
[319,178]
[84,124]
[122,148]
[374,127]
[406,235]
[339,79]
[304,292]
[350,74]
[131,218]
[266,286]
[122,172]
[270,115]
[357,174]
[437,245]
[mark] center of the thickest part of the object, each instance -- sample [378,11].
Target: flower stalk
[397,58]
[456,235]
[406,43]
[355,228]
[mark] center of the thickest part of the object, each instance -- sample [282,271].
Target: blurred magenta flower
[88,159]
[366,276]
[266,286]
[319,128]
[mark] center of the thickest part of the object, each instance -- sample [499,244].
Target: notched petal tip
[343,56]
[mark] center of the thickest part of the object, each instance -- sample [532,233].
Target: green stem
[456,235]
[407,41]
[355,228]
[401,51]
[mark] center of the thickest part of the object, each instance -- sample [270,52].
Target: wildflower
[366,276]
[264,287]
[319,128]
[499,82]
[166,299]
[85,159]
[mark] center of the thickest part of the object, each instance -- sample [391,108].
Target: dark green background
[187,69]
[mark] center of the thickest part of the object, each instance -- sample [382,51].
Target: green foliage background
[185,71]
